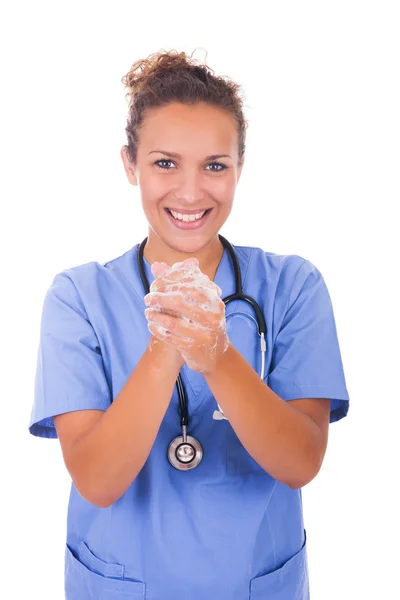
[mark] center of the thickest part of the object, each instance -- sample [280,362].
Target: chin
[187,246]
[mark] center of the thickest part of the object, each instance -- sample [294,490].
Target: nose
[189,189]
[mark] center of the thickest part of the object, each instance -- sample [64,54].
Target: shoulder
[286,272]
[86,280]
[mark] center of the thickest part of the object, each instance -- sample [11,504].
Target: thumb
[157,268]
[188,261]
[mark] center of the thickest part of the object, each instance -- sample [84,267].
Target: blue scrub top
[226,529]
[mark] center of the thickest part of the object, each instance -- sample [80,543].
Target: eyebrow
[176,155]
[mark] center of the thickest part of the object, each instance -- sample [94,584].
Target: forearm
[107,459]
[284,441]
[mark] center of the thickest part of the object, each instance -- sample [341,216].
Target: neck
[209,257]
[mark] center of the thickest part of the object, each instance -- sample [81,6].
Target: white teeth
[187,218]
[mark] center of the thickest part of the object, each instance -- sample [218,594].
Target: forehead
[198,126]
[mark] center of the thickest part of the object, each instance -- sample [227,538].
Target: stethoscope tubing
[238,295]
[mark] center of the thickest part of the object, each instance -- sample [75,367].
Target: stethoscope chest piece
[185,454]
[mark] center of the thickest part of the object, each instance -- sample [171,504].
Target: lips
[188,212]
[179,224]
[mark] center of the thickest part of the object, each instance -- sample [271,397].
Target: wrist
[165,355]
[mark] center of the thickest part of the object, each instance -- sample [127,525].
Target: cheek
[223,189]
[152,193]
[153,182]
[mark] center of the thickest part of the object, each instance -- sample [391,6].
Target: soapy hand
[185,309]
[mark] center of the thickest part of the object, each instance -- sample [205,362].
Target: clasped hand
[185,309]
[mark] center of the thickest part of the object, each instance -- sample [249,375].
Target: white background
[321,180]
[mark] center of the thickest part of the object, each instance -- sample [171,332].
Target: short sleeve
[306,359]
[69,372]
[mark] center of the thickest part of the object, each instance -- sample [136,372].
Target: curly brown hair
[172,76]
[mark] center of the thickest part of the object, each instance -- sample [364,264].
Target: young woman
[190,413]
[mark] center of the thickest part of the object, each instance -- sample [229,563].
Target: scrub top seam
[78,295]
[251,255]
[255,537]
[294,281]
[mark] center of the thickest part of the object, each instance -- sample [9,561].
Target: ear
[130,169]
[240,168]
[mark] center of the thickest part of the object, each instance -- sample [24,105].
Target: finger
[179,342]
[186,283]
[183,273]
[178,305]
[168,321]
[183,277]
[167,335]
[185,293]
[188,261]
[157,268]
[159,331]
[180,326]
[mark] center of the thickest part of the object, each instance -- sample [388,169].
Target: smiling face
[180,167]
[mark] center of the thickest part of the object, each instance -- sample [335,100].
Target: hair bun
[155,65]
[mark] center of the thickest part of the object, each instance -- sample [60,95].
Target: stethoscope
[185,452]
